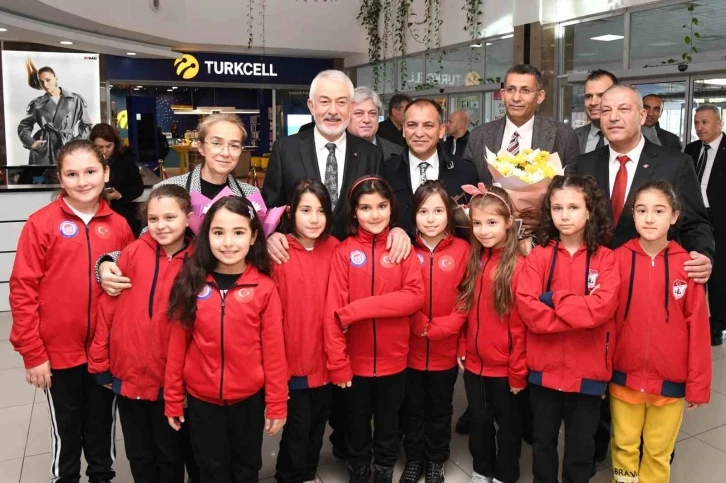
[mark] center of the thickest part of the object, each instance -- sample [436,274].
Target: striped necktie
[513,147]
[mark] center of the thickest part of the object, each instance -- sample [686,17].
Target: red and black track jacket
[132,332]
[234,348]
[495,346]
[53,292]
[442,269]
[373,298]
[662,325]
[303,285]
[569,347]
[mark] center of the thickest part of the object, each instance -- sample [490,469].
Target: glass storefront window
[414,74]
[459,67]
[386,76]
[597,44]
[658,34]
[708,91]
[498,59]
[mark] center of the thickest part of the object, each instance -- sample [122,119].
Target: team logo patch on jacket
[447,263]
[679,289]
[205,292]
[357,258]
[68,229]
[592,279]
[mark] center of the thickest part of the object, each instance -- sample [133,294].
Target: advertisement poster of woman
[37,126]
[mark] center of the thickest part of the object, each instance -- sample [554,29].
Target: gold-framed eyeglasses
[216,147]
[524,91]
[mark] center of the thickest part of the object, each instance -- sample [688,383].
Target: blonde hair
[209,121]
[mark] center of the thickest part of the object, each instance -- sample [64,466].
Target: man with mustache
[654,105]
[590,137]
[709,158]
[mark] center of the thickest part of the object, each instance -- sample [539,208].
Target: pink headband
[367,178]
[481,190]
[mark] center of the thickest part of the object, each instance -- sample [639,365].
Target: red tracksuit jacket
[442,270]
[662,325]
[494,346]
[374,299]
[303,284]
[53,290]
[570,347]
[132,333]
[234,348]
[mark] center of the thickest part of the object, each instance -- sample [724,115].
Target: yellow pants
[658,427]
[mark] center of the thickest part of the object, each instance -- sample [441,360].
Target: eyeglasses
[524,91]
[216,147]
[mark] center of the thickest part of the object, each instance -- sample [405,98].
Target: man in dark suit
[521,128]
[457,133]
[709,158]
[590,137]
[628,152]
[366,109]
[425,159]
[653,105]
[392,128]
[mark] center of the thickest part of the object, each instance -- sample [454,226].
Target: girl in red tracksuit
[53,298]
[226,350]
[494,339]
[567,296]
[303,283]
[367,327]
[663,354]
[432,369]
[128,353]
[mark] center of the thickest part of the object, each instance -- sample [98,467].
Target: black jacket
[656,162]
[125,178]
[387,130]
[668,139]
[716,183]
[453,171]
[460,144]
[390,150]
[294,158]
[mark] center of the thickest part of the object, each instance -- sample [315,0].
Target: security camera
[682,67]
[441,90]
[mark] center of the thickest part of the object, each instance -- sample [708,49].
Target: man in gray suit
[590,137]
[366,109]
[653,105]
[521,128]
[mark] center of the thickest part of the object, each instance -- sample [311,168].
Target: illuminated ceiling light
[509,36]
[130,53]
[3,29]
[66,42]
[476,46]
[663,44]
[607,38]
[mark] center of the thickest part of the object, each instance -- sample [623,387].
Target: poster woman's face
[48,81]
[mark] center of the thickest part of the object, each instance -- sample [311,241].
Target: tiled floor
[24,440]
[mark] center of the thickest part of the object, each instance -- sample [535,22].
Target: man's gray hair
[627,87]
[709,107]
[363,93]
[333,75]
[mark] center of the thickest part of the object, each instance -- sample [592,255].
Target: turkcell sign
[248,69]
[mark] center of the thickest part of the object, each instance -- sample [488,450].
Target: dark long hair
[107,133]
[426,191]
[317,188]
[34,74]
[368,185]
[193,277]
[503,292]
[179,194]
[598,228]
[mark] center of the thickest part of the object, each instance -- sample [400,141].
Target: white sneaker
[477,478]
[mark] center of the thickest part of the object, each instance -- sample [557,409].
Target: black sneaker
[412,472]
[382,474]
[434,472]
[359,475]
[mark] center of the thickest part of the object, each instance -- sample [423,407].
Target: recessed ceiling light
[170,90]
[476,46]
[175,88]
[3,29]
[66,42]
[715,82]
[139,87]
[136,88]
[663,44]
[607,38]
[509,36]
[130,53]
[489,43]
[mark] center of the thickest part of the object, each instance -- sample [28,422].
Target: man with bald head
[457,133]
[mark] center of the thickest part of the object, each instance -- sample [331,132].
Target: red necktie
[621,183]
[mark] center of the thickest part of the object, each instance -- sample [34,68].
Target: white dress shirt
[432,171]
[710,158]
[525,134]
[593,139]
[630,166]
[323,153]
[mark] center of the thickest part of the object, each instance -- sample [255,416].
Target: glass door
[471,103]
[673,114]
[707,90]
